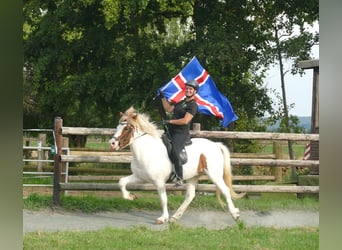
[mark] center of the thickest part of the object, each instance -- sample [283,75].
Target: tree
[87,65]
[278,21]
[99,54]
[224,39]
[89,59]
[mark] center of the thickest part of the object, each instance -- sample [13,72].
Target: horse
[151,163]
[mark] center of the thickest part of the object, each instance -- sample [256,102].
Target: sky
[298,88]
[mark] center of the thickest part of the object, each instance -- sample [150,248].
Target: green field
[176,237]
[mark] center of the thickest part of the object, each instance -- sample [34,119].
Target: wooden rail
[204,134]
[125,157]
[200,187]
[201,178]
[255,135]
[234,161]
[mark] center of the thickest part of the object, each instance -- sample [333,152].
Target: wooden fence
[124,157]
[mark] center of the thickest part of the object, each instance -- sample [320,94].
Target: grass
[92,204]
[37,179]
[177,237]
[97,143]
[298,149]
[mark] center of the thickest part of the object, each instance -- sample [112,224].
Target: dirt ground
[60,220]
[49,220]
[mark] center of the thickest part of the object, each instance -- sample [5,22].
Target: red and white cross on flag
[209,99]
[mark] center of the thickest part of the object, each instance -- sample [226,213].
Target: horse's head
[125,130]
[132,125]
[122,137]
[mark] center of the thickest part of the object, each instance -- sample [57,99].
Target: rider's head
[193,84]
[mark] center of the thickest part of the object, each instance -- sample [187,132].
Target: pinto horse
[151,163]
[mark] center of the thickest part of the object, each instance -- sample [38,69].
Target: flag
[209,99]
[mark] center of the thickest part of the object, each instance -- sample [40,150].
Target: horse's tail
[227,176]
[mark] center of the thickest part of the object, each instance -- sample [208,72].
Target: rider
[179,124]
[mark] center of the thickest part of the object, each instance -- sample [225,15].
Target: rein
[139,136]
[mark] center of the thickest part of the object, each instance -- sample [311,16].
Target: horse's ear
[121,114]
[134,116]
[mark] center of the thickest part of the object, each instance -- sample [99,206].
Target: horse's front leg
[123,183]
[163,202]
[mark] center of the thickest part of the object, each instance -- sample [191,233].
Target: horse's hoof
[132,196]
[236,214]
[161,221]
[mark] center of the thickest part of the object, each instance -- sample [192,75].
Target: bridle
[126,134]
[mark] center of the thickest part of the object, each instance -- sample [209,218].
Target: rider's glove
[161,94]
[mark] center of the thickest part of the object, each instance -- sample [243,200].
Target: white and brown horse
[151,163]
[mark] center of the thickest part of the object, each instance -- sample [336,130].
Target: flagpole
[162,113]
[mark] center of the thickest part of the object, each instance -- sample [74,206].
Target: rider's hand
[161,94]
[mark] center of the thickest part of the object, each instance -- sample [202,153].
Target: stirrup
[179,182]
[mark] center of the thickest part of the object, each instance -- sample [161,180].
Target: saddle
[183,156]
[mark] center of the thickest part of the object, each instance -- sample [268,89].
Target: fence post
[40,157]
[27,153]
[65,144]
[57,169]
[196,126]
[42,138]
[277,150]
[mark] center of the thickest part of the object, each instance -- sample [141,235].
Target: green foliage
[35,201]
[87,60]
[293,128]
[223,42]
[278,21]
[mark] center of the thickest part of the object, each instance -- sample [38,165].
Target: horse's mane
[140,121]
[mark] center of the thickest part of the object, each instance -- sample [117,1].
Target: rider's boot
[179,175]
[171,177]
